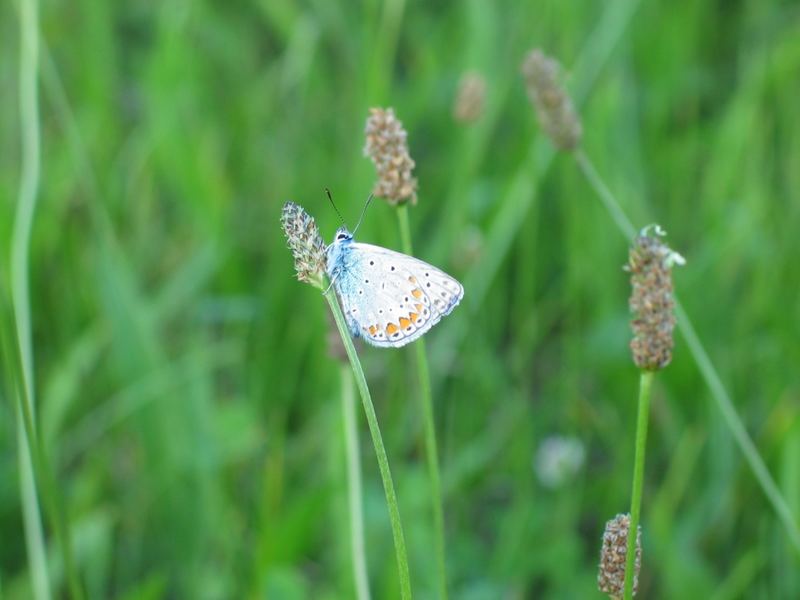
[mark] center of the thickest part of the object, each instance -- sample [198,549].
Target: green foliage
[185,393]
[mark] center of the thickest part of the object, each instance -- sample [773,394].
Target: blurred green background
[184,386]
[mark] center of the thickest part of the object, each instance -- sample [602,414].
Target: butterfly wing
[391,299]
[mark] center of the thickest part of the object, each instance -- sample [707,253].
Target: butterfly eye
[340,237]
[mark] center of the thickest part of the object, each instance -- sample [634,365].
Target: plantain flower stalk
[308,249]
[611,576]
[651,302]
[470,98]
[306,244]
[650,264]
[553,105]
[387,147]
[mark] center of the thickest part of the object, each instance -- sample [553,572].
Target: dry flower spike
[387,147]
[611,576]
[651,302]
[470,98]
[554,109]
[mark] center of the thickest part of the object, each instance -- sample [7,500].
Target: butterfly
[388,298]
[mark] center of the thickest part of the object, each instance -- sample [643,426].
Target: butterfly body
[388,298]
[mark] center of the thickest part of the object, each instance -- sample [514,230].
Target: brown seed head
[651,302]
[305,242]
[554,109]
[387,146]
[470,97]
[611,576]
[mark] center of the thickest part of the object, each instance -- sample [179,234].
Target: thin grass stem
[33,461]
[380,451]
[385,50]
[358,554]
[645,388]
[706,367]
[621,220]
[26,203]
[431,450]
[40,466]
[737,428]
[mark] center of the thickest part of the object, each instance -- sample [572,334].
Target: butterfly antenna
[328,192]
[363,212]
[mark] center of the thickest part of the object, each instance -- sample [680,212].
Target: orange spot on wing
[404,322]
[391,328]
[419,307]
[372,329]
[413,317]
[417,293]
[412,279]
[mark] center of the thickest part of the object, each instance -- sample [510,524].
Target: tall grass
[354,487]
[20,243]
[731,417]
[181,381]
[17,335]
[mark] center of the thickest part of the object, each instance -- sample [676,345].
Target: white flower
[558,459]
[671,258]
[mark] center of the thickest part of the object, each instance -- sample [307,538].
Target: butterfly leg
[352,324]
[328,289]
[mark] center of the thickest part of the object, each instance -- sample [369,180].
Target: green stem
[431,450]
[40,464]
[380,451]
[44,477]
[384,51]
[354,486]
[29,183]
[707,370]
[645,386]
[33,460]
[606,197]
[734,423]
